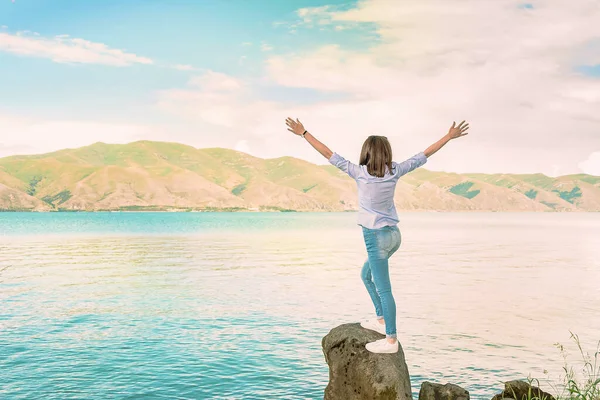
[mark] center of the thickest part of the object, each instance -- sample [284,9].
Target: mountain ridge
[149,175]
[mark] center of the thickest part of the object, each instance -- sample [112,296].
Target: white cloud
[63,49]
[556,170]
[217,99]
[426,38]
[230,113]
[266,47]
[591,165]
[32,136]
[321,14]
[216,82]
[508,70]
[242,146]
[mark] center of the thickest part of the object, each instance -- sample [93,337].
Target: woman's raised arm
[453,133]
[297,128]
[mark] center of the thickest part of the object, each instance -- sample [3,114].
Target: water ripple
[235,313]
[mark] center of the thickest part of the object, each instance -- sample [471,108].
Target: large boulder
[449,391]
[521,390]
[355,373]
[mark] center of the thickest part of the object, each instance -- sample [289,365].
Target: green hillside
[149,175]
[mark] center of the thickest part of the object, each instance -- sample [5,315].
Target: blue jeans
[381,244]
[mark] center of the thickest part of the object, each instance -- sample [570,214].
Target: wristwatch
[304,134]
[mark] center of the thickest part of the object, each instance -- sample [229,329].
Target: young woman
[376,177]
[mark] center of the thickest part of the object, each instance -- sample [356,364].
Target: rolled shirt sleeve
[345,165]
[411,164]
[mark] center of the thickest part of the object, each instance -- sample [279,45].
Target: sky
[226,73]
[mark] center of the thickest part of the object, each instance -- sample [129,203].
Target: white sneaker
[382,346]
[373,325]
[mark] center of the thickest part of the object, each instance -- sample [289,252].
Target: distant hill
[170,176]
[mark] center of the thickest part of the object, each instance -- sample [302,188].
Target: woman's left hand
[458,131]
[295,127]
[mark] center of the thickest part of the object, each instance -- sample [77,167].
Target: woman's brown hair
[376,154]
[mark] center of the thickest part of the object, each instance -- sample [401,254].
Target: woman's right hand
[458,131]
[295,127]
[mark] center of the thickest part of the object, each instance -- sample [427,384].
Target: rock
[435,391]
[520,390]
[355,373]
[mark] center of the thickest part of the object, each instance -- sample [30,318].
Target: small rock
[520,390]
[357,374]
[449,391]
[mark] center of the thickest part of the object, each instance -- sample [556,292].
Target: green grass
[274,208]
[226,209]
[594,180]
[587,385]
[236,191]
[539,180]
[533,392]
[531,194]
[578,383]
[570,196]
[32,185]
[551,205]
[310,187]
[58,198]
[462,189]
[497,180]
[333,171]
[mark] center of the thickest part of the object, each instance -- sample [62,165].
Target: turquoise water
[158,223]
[234,305]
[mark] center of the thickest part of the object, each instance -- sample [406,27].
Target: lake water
[234,305]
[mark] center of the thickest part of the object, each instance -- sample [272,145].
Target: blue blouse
[376,195]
